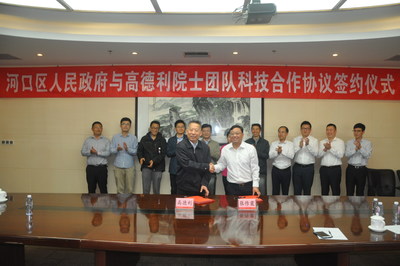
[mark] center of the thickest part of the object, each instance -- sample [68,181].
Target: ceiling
[361,38]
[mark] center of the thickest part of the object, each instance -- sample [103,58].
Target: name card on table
[184,203]
[247,204]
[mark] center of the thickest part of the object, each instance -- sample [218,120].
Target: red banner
[201,81]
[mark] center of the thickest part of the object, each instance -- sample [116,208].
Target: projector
[258,13]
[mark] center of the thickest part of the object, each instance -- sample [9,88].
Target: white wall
[49,133]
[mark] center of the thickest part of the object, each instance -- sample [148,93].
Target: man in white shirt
[306,149]
[282,152]
[241,160]
[358,150]
[331,150]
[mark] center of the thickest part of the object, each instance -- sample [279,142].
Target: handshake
[212,168]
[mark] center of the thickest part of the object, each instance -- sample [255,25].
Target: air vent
[394,58]
[197,54]
[8,57]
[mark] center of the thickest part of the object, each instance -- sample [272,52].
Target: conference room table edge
[102,248]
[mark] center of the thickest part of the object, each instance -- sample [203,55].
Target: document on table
[333,231]
[393,228]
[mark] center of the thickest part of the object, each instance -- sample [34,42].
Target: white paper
[393,228]
[335,232]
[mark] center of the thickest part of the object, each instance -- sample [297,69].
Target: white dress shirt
[242,164]
[283,160]
[360,157]
[306,154]
[333,156]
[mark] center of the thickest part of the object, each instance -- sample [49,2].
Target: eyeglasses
[125,124]
[154,128]
[306,128]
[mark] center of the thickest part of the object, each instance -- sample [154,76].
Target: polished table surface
[149,223]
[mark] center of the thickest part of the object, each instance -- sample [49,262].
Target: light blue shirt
[361,156]
[102,146]
[124,159]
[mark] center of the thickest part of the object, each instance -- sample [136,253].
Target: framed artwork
[220,113]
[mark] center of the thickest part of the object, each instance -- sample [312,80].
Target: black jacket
[193,167]
[153,150]
[262,148]
[171,152]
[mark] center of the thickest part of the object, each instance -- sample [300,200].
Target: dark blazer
[262,148]
[193,166]
[171,153]
[153,150]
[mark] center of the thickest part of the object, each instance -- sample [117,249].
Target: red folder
[251,197]
[201,200]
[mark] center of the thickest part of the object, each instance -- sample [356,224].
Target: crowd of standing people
[195,160]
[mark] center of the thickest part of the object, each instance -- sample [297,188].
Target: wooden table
[149,224]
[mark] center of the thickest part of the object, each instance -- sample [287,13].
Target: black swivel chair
[381,182]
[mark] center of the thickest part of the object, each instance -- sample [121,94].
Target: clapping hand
[93,151]
[279,149]
[327,146]
[358,145]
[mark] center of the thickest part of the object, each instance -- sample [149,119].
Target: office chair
[381,182]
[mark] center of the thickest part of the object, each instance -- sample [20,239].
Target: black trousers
[330,177]
[97,175]
[212,184]
[225,182]
[180,191]
[280,178]
[240,189]
[173,184]
[356,177]
[303,177]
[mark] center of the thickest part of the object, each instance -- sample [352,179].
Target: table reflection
[96,204]
[3,207]
[237,227]
[194,231]
[356,204]
[224,222]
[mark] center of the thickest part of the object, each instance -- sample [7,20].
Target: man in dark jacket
[262,147]
[151,155]
[193,156]
[180,128]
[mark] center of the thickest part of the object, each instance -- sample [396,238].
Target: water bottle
[29,223]
[374,205]
[379,209]
[395,212]
[29,205]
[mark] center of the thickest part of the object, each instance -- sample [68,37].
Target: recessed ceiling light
[39,54]
[134,53]
[235,53]
[335,54]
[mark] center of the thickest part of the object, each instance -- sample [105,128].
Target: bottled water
[395,212]
[379,209]
[29,223]
[374,205]
[29,205]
